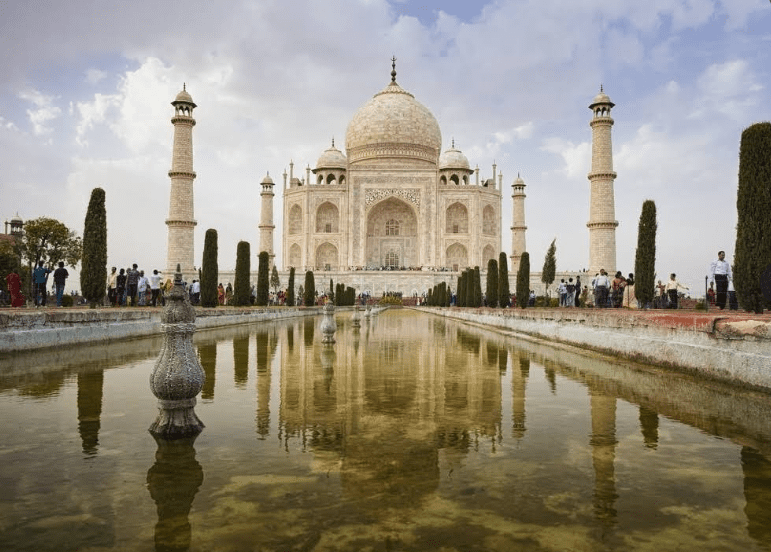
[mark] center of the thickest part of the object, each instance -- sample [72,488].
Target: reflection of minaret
[649,425]
[173,482]
[520,370]
[207,355]
[602,212]
[241,360]
[603,442]
[518,227]
[90,409]
[266,219]
[180,222]
[263,385]
[757,482]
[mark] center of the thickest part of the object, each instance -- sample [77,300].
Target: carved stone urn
[328,325]
[178,376]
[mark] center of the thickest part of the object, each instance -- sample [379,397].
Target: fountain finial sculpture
[178,376]
[328,325]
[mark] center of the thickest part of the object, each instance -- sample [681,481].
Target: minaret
[266,219]
[517,222]
[602,212]
[180,222]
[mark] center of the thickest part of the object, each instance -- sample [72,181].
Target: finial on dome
[393,69]
[453,142]
[184,86]
[333,141]
[601,90]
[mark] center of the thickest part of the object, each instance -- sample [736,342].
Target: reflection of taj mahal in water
[392,201]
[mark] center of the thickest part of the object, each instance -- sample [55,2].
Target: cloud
[45,112]
[95,76]
[576,157]
[729,88]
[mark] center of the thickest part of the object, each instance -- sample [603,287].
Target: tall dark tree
[753,204]
[549,266]
[504,293]
[645,256]
[477,298]
[463,285]
[93,272]
[290,288]
[242,291]
[263,262]
[309,295]
[491,289]
[332,291]
[209,270]
[275,281]
[523,281]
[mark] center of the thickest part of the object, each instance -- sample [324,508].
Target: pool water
[413,433]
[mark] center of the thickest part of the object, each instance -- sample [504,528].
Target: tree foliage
[477,297]
[645,256]
[262,279]
[48,240]
[491,288]
[209,270]
[242,290]
[275,281]
[9,262]
[93,272]
[309,295]
[290,288]
[523,281]
[753,205]
[549,271]
[504,293]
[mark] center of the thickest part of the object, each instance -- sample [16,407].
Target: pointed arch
[456,219]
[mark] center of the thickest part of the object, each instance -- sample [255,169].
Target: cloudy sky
[85,89]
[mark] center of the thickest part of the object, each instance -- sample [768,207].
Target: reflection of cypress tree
[757,482]
[492,353]
[519,375]
[207,354]
[649,425]
[551,377]
[290,338]
[308,328]
[90,409]
[241,360]
[263,384]
[469,342]
[173,482]
[503,359]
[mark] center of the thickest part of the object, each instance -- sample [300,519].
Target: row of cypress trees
[439,296]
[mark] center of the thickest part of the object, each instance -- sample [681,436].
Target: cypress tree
[645,256]
[290,288]
[523,281]
[241,288]
[491,290]
[209,270]
[93,273]
[477,298]
[504,293]
[332,292]
[753,204]
[262,279]
[309,296]
[549,266]
[462,289]
[275,281]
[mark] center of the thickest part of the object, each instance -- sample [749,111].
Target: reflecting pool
[414,433]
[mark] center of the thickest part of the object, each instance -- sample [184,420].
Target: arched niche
[295,256]
[489,225]
[392,232]
[327,218]
[456,219]
[326,257]
[457,257]
[295,222]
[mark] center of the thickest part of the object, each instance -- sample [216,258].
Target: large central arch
[392,235]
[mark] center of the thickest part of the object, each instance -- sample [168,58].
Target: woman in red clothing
[14,288]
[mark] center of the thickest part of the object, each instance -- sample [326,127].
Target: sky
[85,92]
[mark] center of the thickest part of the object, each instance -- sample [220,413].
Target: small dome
[184,97]
[17,218]
[453,158]
[601,98]
[332,158]
[267,180]
[518,181]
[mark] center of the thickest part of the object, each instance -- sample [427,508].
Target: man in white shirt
[720,273]
[155,287]
[602,284]
[195,289]
[142,288]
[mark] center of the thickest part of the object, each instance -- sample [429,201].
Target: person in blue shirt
[39,278]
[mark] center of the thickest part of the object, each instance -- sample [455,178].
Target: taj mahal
[393,213]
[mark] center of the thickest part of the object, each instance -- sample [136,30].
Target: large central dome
[393,124]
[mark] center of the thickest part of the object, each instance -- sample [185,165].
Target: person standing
[40,277]
[563,292]
[132,280]
[720,273]
[112,286]
[60,276]
[155,287]
[142,285]
[578,291]
[14,289]
[602,283]
[672,288]
[195,289]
